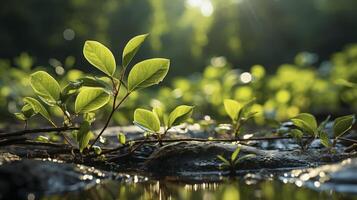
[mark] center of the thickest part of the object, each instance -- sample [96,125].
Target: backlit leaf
[146,120]
[147,73]
[91,99]
[100,57]
[46,87]
[132,48]
[179,115]
[232,108]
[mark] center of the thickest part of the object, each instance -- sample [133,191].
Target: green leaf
[306,122]
[46,87]
[296,133]
[146,120]
[97,150]
[132,47]
[27,111]
[225,161]
[147,73]
[90,99]
[179,115]
[39,108]
[121,138]
[20,116]
[325,140]
[342,125]
[83,135]
[232,108]
[244,158]
[159,112]
[94,82]
[234,155]
[100,57]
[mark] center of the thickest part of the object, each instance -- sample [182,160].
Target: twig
[40,130]
[109,118]
[12,141]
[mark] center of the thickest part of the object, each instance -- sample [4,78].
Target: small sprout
[239,113]
[234,160]
[150,121]
[97,150]
[306,123]
[121,138]
[341,125]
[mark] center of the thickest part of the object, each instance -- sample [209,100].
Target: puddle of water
[224,190]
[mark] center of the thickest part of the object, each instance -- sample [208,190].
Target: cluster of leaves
[92,93]
[151,121]
[239,113]
[306,124]
[232,163]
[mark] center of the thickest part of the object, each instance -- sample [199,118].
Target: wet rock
[183,157]
[19,179]
[6,157]
[340,177]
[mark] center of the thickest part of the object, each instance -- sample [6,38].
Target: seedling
[306,124]
[232,163]
[150,121]
[341,126]
[93,93]
[239,113]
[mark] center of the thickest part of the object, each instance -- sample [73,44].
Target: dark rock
[183,157]
[33,177]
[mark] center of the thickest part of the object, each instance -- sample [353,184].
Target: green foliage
[232,108]
[121,138]
[91,99]
[150,121]
[234,160]
[37,107]
[147,73]
[342,124]
[46,87]
[93,93]
[147,120]
[239,113]
[100,57]
[306,122]
[83,135]
[132,48]
[179,115]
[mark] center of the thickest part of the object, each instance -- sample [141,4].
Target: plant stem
[115,107]
[30,131]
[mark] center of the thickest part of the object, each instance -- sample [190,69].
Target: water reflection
[228,190]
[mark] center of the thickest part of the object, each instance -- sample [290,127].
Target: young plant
[239,113]
[306,123]
[341,125]
[232,163]
[151,121]
[93,93]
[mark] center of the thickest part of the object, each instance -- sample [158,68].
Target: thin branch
[40,130]
[109,118]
